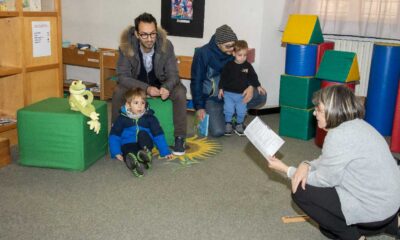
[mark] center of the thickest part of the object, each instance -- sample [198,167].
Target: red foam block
[322,47]
[395,143]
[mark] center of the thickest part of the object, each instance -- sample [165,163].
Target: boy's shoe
[228,129]
[179,148]
[133,164]
[239,129]
[145,157]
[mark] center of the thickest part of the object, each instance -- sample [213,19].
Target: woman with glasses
[352,189]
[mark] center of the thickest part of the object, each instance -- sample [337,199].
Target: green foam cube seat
[51,135]
[297,91]
[164,113]
[297,123]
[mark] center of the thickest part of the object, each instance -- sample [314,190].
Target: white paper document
[263,138]
[41,45]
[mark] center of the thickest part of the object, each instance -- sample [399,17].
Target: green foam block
[338,66]
[164,113]
[297,91]
[51,135]
[297,123]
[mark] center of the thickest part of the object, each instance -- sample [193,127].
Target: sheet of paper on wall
[263,137]
[41,42]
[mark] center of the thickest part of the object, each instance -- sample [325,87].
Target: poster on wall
[184,18]
[41,46]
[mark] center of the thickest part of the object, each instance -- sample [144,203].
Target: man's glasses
[228,46]
[147,35]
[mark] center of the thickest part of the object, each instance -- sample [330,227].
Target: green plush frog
[81,100]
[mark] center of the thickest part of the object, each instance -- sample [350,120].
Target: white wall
[100,23]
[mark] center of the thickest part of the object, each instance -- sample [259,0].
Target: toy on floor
[81,100]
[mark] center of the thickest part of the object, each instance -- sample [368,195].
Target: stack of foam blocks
[337,67]
[304,47]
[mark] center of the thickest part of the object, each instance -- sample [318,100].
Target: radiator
[363,48]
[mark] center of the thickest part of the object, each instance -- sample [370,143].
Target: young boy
[134,132]
[237,76]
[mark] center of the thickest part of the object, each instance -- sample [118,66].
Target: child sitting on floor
[133,133]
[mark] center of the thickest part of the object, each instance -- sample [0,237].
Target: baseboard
[264,111]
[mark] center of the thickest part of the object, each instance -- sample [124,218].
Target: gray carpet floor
[232,195]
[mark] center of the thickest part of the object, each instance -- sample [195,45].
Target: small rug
[197,150]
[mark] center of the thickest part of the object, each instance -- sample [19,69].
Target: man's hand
[221,94]
[153,91]
[247,94]
[164,93]
[201,113]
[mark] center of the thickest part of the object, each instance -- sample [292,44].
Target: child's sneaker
[133,164]
[145,157]
[239,129]
[228,129]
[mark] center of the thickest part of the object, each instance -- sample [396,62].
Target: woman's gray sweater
[356,160]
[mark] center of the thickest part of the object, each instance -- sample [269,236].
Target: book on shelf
[7,5]
[6,121]
[263,137]
[67,83]
[32,5]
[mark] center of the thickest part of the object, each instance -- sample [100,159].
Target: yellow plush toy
[81,100]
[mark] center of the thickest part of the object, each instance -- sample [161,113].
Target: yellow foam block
[302,29]
[354,73]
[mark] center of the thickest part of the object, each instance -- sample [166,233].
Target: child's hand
[119,157]
[261,90]
[221,94]
[170,156]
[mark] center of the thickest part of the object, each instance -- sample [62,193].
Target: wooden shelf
[108,68]
[7,127]
[83,58]
[43,67]
[40,14]
[184,66]
[4,14]
[25,77]
[7,71]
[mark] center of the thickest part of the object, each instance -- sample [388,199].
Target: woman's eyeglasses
[319,110]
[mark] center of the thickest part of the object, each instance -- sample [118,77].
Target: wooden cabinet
[82,58]
[30,58]
[104,59]
[108,73]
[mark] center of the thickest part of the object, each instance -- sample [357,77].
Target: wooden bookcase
[104,59]
[25,78]
[108,73]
